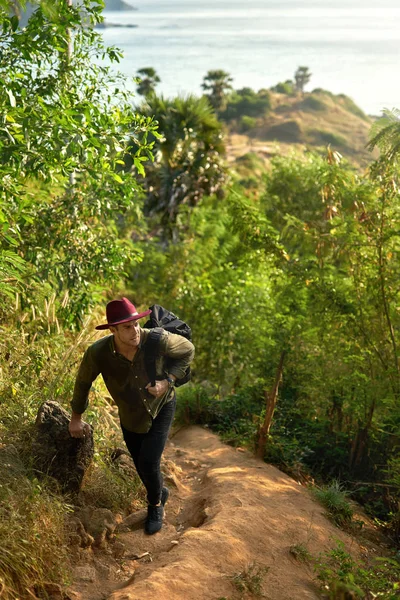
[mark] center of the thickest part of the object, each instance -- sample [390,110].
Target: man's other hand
[158,389]
[78,428]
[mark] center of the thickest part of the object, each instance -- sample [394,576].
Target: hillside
[235,528]
[315,120]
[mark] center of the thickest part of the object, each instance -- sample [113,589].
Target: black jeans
[146,450]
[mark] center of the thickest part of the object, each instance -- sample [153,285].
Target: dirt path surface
[226,511]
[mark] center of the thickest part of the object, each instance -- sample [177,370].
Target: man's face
[127,334]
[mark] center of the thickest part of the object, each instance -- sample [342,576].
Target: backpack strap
[151,352]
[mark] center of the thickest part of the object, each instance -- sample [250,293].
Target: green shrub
[334,499]
[247,123]
[342,577]
[284,87]
[246,102]
[234,417]
[250,579]
[311,103]
[289,131]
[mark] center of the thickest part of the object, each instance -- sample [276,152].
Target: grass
[335,500]
[33,550]
[250,580]
[341,577]
[300,553]
[38,363]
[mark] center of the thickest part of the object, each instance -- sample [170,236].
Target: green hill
[316,120]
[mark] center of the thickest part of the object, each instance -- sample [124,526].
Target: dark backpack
[160,319]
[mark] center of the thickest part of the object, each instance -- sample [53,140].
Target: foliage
[250,579]
[313,103]
[334,499]
[284,87]
[217,83]
[385,134]
[300,553]
[301,78]
[188,162]
[246,102]
[65,120]
[33,551]
[340,575]
[148,80]
[247,123]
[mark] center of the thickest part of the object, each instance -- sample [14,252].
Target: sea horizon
[350,47]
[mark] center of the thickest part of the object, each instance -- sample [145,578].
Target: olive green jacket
[126,380]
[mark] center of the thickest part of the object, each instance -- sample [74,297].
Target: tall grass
[38,362]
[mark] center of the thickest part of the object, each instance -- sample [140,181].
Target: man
[145,410]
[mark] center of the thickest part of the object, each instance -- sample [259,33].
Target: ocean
[350,46]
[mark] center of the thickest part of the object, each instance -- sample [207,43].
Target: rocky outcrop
[56,453]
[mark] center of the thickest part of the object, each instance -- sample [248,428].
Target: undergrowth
[33,548]
[340,576]
[37,364]
[334,498]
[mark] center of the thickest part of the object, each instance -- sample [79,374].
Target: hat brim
[127,320]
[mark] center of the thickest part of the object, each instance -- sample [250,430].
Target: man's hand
[158,389]
[77,427]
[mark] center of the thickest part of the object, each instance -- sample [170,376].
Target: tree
[148,81]
[217,83]
[188,157]
[301,78]
[66,117]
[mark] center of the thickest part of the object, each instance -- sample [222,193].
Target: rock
[133,521]
[118,549]
[77,534]
[103,569]
[100,523]
[85,573]
[56,453]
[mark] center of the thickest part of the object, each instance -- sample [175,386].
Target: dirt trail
[226,511]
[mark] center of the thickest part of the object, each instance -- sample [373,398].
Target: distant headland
[115,5]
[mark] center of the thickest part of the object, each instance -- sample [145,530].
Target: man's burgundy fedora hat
[121,311]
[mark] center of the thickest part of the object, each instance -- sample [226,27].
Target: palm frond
[385,134]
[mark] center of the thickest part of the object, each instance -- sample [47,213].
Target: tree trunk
[270,400]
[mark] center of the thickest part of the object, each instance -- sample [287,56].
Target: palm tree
[188,156]
[302,77]
[385,134]
[148,81]
[217,83]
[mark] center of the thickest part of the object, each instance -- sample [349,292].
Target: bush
[311,103]
[289,131]
[284,87]
[247,123]
[235,417]
[342,577]
[334,499]
[246,102]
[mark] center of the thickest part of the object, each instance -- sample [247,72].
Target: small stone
[85,573]
[174,542]
[118,549]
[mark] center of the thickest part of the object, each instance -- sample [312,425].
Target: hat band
[124,317]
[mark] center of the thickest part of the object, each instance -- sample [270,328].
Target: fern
[385,134]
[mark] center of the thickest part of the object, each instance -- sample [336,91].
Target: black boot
[164,495]
[154,519]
